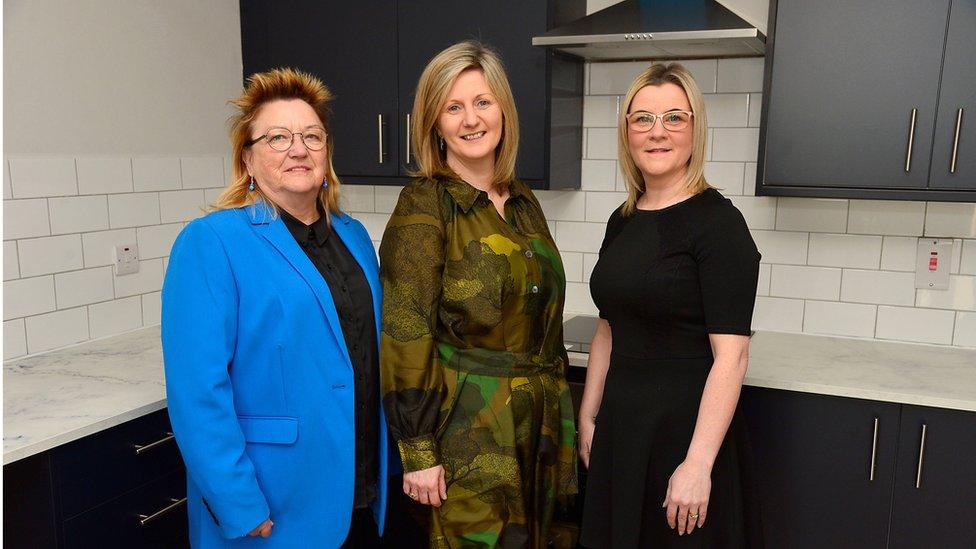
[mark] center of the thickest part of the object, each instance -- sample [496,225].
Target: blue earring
[325,183]
[250,188]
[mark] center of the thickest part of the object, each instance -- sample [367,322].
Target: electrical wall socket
[932,263]
[126,259]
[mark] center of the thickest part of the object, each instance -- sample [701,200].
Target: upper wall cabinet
[371,53]
[868,99]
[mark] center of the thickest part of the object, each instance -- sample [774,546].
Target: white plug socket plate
[126,259]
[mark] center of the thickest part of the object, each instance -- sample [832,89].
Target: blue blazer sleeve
[199,333]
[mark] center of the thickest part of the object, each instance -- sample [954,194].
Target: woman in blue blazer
[270,311]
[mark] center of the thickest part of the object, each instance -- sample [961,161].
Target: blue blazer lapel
[362,251]
[273,229]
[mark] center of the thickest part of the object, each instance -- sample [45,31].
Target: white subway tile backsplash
[886,217]
[578,299]
[11,264]
[573,266]
[782,247]
[589,261]
[599,175]
[563,205]
[104,175]
[958,219]
[387,198]
[805,282]
[881,287]
[735,144]
[758,211]
[579,237]
[28,296]
[180,206]
[599,206]
[778,315]
[7,188]
[762,288]
[601,143]
[823,215]
[151,308]
[615,78]
[726,176]
[202,172]
[52,254]
[964,333]
[749,179]
[39,177]
[357,198]
[704,71]
[114,317]
[78,214]
[25,219]
[955,261]
[845,250]
[837,318]
[148,279]
[57,329]
[918,325]
[14,339]
[156,174]
[156,240]
[960,296]
[99,247]
[600,111]
[210,196]
[133,210]
[968,257]
[727,110]
[375,224]
[898,253]
[755,109]
[740,75]
[83,287]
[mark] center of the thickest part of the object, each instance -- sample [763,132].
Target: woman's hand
[264,530]
[586,427]
[426,486]
[687,497]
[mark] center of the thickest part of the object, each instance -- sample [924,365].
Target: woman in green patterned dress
[472,360]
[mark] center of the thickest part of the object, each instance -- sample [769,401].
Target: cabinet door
[844,79]
[935,481]
[814,458]
[428,26]
[955,130]
[351,46]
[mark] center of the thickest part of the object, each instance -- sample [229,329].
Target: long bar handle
[379,132]
[874,449]
[921,458]
[140,448]
[911,141]
[955,141]
[146,519]
[408,138]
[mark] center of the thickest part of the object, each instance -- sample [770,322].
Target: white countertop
[64,395]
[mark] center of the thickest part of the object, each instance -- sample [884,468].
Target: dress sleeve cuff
[418,453]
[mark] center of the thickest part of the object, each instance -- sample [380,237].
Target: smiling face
[470,121]
[286,177]
[661,155]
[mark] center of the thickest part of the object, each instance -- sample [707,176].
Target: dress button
[535,289]
[529,254]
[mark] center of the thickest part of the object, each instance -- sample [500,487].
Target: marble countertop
[64,395]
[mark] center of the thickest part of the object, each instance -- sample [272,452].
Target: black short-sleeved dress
[665,280]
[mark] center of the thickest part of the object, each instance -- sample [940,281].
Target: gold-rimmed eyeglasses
[280,139]
[672,121]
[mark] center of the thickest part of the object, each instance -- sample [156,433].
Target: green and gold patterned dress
[473,363]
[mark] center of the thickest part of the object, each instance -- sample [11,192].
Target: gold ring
[413,495]
[693,516]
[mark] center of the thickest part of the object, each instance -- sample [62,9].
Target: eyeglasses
[280,139]
[672,121]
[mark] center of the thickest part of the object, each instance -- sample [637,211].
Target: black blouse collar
[318,231]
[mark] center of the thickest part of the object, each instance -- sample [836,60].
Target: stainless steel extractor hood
[660,29]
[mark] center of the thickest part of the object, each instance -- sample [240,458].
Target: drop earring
[250,188]
[442,143]
[325,183]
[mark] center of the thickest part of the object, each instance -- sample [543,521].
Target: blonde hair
[656,75]
[262,88]
[432,90]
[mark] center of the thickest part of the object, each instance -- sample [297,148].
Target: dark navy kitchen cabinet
[372,55]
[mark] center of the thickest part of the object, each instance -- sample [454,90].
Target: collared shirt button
[529,254]
[535,289]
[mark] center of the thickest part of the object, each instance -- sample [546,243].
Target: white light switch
[126,259]
[932,263]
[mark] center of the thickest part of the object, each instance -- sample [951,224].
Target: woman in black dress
[675,285]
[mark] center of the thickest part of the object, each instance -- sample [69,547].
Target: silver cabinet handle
[408,138]
[911,141]
[874,449]
[955,142]
[921,457]
[140,448]
[146,519]
[379,132]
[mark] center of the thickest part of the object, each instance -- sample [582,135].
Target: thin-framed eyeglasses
[672,121]
[280,139]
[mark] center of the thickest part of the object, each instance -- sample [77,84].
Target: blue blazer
[259,382]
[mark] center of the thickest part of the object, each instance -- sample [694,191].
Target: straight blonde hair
[659,74]
[432,90]
[263,88]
